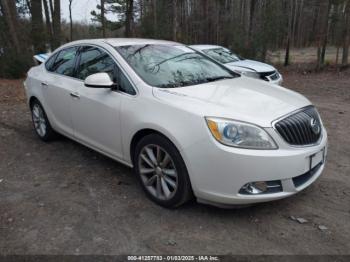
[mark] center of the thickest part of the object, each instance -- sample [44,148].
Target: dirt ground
[63,198]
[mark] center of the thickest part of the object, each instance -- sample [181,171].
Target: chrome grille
[302,128]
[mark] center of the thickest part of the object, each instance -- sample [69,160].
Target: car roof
[123,41]
[204,47]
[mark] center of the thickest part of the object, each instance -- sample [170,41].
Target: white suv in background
[186,124]
[246,67]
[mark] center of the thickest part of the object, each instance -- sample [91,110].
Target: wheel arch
[145,132]
[32,99]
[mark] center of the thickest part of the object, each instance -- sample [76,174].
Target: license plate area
[316,159]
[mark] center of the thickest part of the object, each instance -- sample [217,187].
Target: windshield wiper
[217,78]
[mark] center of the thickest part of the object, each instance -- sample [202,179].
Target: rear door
[59,88]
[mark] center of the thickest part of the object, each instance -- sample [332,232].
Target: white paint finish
[98,80]
[255,65]
[96,118]
[107,120]
[229,99]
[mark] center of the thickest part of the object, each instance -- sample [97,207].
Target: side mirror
[99,80]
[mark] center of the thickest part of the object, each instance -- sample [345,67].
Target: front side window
[172,66]
[65,62]
[221,55]
[93,60]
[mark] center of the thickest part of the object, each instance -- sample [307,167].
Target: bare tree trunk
[129,18]
[70,20]
[326,32]
[337,56]
[155,18]
[289,33]
[103,18]
[10,15]
[56,22]
[51,8]
[38,39]
[346,35]
[174,3]
[48,23]
[251,20]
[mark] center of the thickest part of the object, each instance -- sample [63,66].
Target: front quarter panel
[147,112]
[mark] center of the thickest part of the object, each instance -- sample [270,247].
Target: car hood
[251,65]
[241,99]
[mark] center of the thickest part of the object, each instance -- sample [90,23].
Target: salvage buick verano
[188,126]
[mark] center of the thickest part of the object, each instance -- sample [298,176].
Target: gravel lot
[63,198]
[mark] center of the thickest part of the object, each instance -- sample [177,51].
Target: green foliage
[117,9]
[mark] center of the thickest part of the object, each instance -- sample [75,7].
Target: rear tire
[41,123]
[161,171]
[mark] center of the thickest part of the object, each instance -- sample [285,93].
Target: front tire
[161,171]
[41,123]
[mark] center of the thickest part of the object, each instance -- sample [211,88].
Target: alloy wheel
[39,120]
[158,172]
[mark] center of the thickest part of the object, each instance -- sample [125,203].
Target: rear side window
[65,62]
[93,60]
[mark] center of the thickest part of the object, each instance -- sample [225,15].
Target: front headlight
[239,134]
[249,74]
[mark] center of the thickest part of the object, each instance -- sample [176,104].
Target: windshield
[169,66]
[221,55]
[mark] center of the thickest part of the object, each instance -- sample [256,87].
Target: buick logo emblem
[315,126]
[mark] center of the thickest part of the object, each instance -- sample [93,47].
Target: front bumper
[218,172]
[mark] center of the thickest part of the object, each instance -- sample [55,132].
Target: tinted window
[93,60]
[172,66]
[64,63]
[49,62]
[124,83]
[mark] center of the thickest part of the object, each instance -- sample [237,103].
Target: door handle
[75,95]
[44,84]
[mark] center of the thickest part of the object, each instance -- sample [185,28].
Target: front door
[96,111]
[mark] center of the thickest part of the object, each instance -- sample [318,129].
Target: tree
[103,18]
[174,20]
[8,8]
[48,23]
[346,34]
[123,10]
[56,22]
[129,17]
[327,22]
[70,20]
[38,38]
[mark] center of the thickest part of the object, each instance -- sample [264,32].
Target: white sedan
[246,67]
[187,125]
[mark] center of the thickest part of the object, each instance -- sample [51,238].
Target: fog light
[261,187]
[254,188]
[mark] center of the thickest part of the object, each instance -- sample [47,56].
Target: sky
[80,9]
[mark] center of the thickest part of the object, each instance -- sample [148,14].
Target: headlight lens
[249,74]
[239,134]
